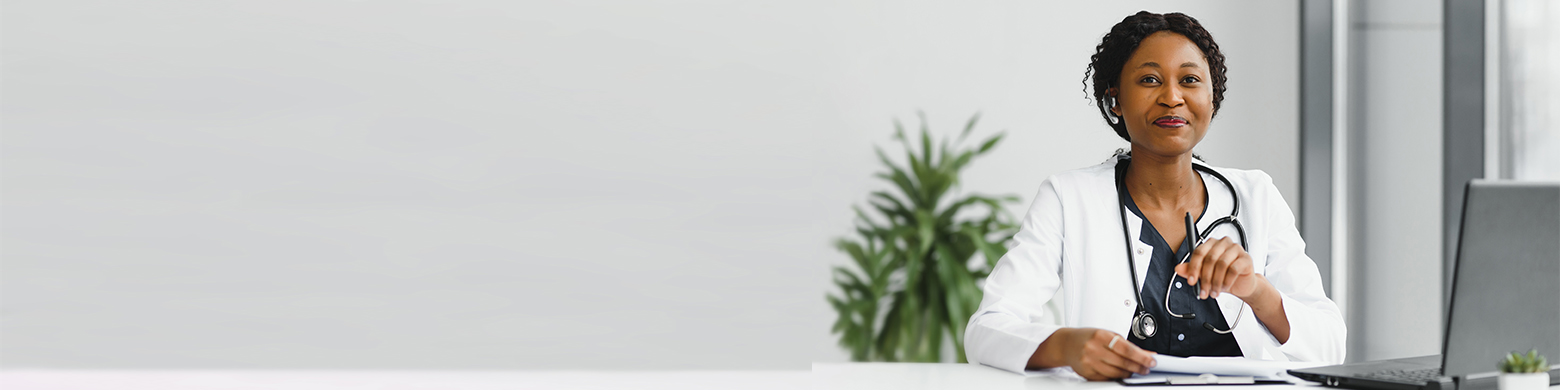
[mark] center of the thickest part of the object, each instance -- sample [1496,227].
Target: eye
[1150,79]
[1190,79]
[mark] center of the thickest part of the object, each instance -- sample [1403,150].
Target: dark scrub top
[1178,336]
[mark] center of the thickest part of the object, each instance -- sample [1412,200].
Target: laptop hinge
[1442,383]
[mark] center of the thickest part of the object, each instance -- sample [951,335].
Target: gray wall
[494,184]
[1395,179]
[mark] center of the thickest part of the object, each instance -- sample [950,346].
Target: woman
[1112,239]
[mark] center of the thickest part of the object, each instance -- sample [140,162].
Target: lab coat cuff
[1011,351]
[1309,339]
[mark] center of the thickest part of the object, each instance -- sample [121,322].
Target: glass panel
[1530,90]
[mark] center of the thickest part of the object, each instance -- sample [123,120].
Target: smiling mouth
[1170,121]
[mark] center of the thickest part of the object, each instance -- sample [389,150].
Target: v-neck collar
[1149,225]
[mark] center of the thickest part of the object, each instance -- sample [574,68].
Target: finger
[1239,267]
[1121,356]
[1122,363]
[1232,275]
[1086,366]
[1105,373]
[1222,272]
[1134,359]
[1143,357]
[1104,349]
[1087,372]
[1232,253]
[1193,264]
[1240,274]
[1132,352]
[1107,370]
[1206,272]
[1092,367]
[1218,265]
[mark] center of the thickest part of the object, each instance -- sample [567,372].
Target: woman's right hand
[1092,354]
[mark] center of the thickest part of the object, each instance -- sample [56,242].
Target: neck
[1163,182]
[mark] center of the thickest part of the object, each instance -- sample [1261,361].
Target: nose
[1172,97]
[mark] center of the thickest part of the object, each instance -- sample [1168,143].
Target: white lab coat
[1071,243]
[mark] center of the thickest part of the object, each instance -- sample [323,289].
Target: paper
[1222,366]
[1177,366]
[1157,379]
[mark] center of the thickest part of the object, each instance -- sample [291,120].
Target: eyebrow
[1152,64]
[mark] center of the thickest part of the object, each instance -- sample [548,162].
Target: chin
[1167,150]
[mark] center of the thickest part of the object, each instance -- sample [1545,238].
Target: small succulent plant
[1517,363]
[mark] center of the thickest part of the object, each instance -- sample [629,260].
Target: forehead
[1168,49]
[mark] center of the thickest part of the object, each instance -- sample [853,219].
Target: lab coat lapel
[1142,254]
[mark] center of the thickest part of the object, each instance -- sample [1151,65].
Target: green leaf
[959,162]
[947,214]
[905,186]
[926,228]
[926,135]
[969,126]
[990,143]
[926,147]
[895,209]
[857,253]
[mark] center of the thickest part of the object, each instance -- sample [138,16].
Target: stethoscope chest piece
[1143,325]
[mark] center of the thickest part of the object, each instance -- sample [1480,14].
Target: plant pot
[1529,381]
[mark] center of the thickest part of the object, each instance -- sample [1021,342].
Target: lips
[1170,121]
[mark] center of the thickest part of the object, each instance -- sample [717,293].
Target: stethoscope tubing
[1121,193]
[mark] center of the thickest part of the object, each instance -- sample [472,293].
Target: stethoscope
[1143,324]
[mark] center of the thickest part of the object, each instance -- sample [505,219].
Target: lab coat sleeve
[1316,327]
[1012,319]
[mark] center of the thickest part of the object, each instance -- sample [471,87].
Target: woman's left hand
[1220,266]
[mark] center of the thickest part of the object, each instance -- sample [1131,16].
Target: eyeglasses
[1193,240]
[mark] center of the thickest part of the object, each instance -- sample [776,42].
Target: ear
[1115,107]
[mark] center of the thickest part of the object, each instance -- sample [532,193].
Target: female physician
[1113,239]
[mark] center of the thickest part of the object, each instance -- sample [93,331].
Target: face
[1165,95]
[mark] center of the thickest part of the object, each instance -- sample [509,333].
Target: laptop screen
[1506,286]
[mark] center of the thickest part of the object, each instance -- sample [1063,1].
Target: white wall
[495,184]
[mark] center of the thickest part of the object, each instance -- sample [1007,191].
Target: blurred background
[626,185]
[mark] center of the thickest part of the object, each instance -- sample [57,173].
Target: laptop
[1505,296]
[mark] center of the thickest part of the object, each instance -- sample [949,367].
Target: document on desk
[1197,365]
[1157,379]
[1204,371]
[1238,366]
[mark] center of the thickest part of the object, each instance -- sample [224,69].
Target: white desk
[956,376]
[897,376]
[397,380]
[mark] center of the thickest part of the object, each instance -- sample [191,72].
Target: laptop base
[1353,375]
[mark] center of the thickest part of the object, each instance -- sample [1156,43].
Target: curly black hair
[1110,57]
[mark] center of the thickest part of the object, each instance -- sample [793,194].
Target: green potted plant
[919,261]
[1524,372]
